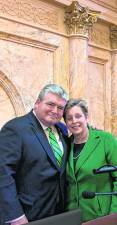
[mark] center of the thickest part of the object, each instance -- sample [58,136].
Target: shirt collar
[43,126]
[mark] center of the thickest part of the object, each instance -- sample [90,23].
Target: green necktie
[55,146]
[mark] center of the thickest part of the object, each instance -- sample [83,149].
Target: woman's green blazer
[100,149]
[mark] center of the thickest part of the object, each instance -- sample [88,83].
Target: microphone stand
[106,193]
[88,195]
[103,169]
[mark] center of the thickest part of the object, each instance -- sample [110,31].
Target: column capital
[79,19]
[113,36]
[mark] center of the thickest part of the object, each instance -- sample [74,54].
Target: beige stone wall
[35,49]
[32,53]
[99,76]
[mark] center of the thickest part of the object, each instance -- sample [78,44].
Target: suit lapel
[89,147]
[40,134]
[70,163]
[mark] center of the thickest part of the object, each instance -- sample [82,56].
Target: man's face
[50,110]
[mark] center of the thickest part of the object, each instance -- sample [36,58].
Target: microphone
[105,169]
[88,194]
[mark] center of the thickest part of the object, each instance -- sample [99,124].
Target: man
[32,180]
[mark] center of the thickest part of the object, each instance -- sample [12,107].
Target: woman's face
[76,121]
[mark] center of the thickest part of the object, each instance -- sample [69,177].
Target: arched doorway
[11,104]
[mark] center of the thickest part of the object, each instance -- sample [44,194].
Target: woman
[89,149]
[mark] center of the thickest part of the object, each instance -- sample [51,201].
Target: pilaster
[113,36]
[78,21]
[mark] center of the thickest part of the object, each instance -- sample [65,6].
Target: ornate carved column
[113,37]
[79,20]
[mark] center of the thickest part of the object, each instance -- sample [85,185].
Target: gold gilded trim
[79,19]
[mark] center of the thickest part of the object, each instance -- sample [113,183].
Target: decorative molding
[13,94]
[113,36]
[61,2]
[27,41]
[30,12]
[105,4]
[97,60]
[79,19]
[96,46]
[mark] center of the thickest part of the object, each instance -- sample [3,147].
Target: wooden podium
[105,220]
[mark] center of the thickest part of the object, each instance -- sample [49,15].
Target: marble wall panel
[28,68]
[96,94]
[99,93]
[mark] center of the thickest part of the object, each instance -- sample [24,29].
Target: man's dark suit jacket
[31,182]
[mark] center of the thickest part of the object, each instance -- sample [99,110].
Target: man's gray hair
[55,89]
[76,102]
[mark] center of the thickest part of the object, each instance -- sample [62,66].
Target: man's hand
[20,221]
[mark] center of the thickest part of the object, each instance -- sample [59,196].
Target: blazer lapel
[39,132]
[70,164]
[89,147]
